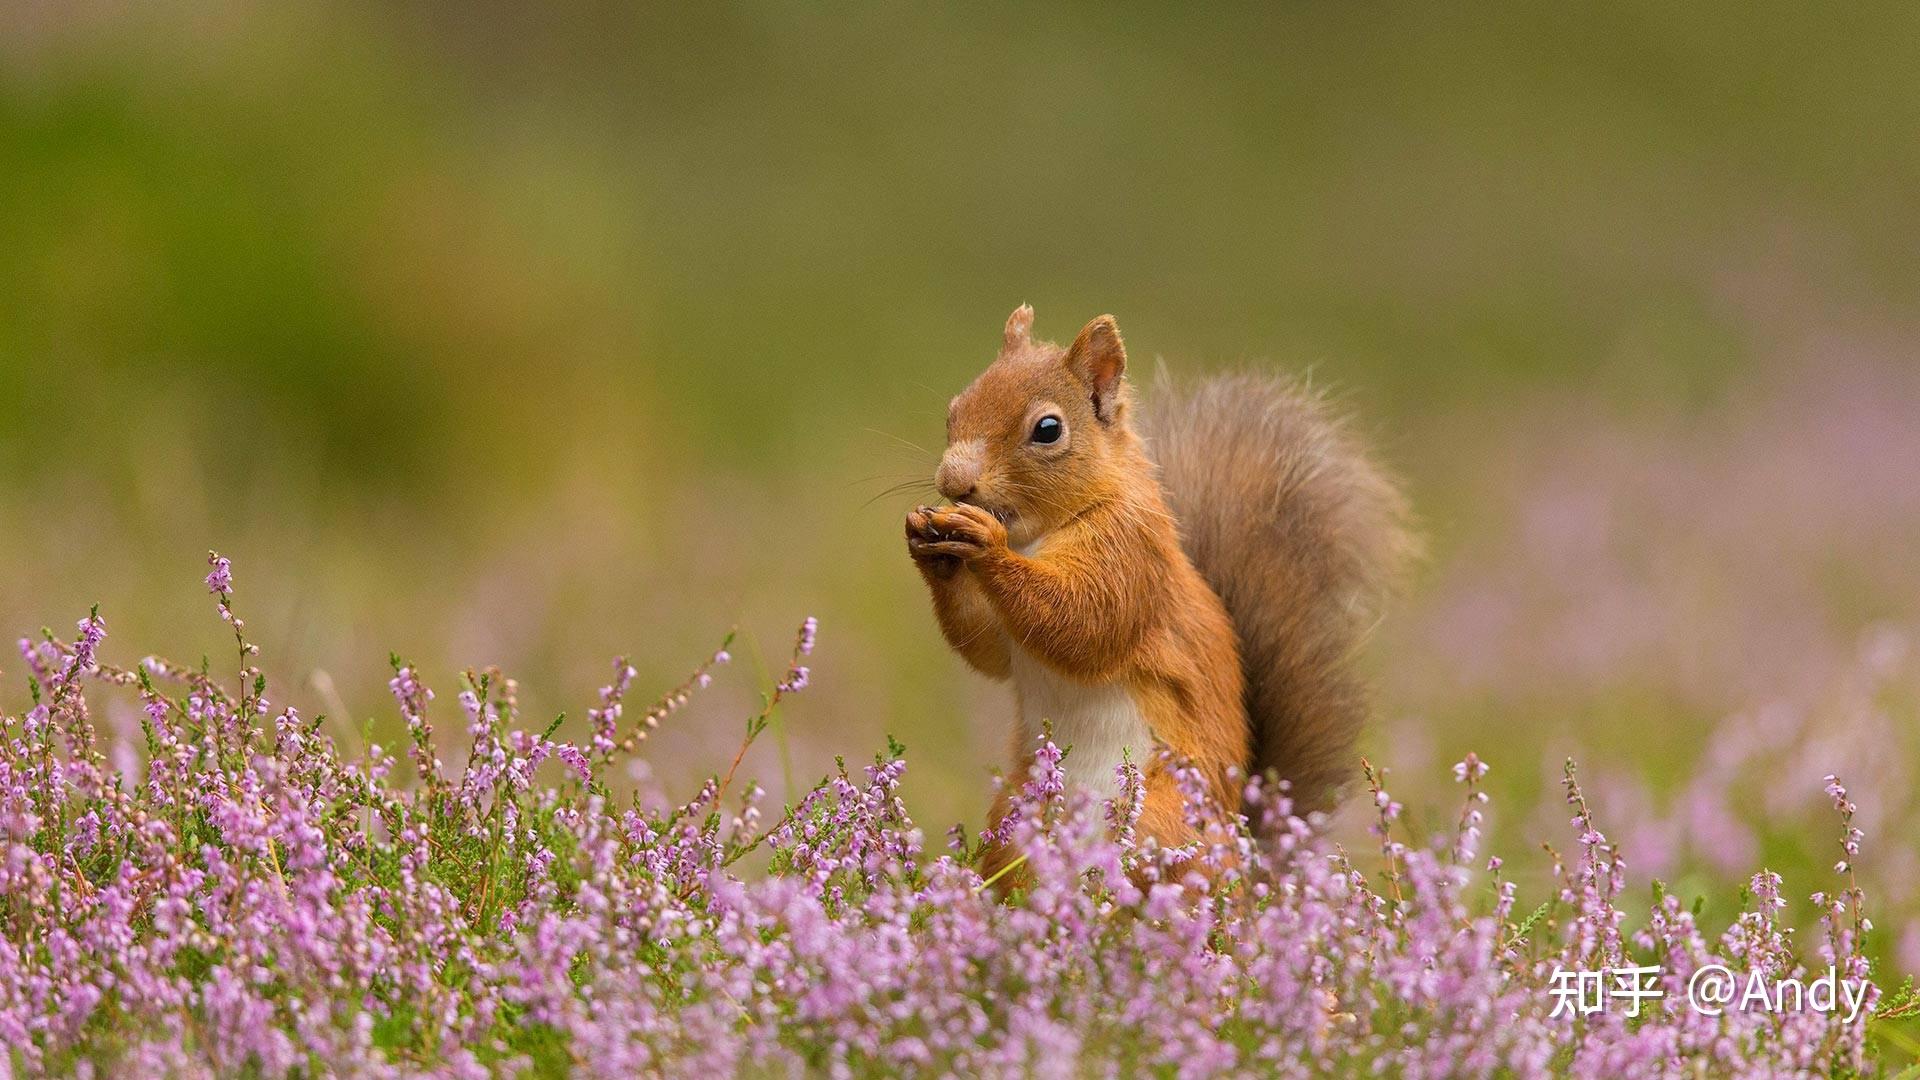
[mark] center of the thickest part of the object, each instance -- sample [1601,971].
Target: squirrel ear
[1099,359]
[1019,327]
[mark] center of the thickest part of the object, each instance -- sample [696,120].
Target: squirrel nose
[956,487]
[959,473]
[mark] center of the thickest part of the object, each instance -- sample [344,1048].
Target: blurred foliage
[500,333]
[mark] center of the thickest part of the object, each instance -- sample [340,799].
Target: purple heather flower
[93,630]
[575,759]
[220,579]
[1470,769]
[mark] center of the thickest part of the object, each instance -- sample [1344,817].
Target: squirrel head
[1044,433]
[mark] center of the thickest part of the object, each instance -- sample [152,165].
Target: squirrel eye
[1048,430]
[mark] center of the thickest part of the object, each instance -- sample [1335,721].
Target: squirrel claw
[930,558]
[930,548]
[920,524]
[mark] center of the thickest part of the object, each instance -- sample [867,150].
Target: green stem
[998,874]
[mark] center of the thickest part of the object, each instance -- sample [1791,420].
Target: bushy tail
[1303,537]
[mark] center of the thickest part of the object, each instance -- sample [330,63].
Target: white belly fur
[1102,723]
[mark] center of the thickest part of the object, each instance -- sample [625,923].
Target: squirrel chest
[1101,722]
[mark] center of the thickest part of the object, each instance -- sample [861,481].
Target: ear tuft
[1019,329]
[1099,359]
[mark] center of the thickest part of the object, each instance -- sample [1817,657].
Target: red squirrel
[1195,576]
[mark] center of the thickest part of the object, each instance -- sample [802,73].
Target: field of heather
[556,381]
[239,895]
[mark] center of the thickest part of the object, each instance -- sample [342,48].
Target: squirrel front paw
[961,532]
[922,541]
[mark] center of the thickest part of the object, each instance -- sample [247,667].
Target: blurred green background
[505,334]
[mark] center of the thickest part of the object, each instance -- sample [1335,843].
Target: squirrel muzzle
[959,472]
